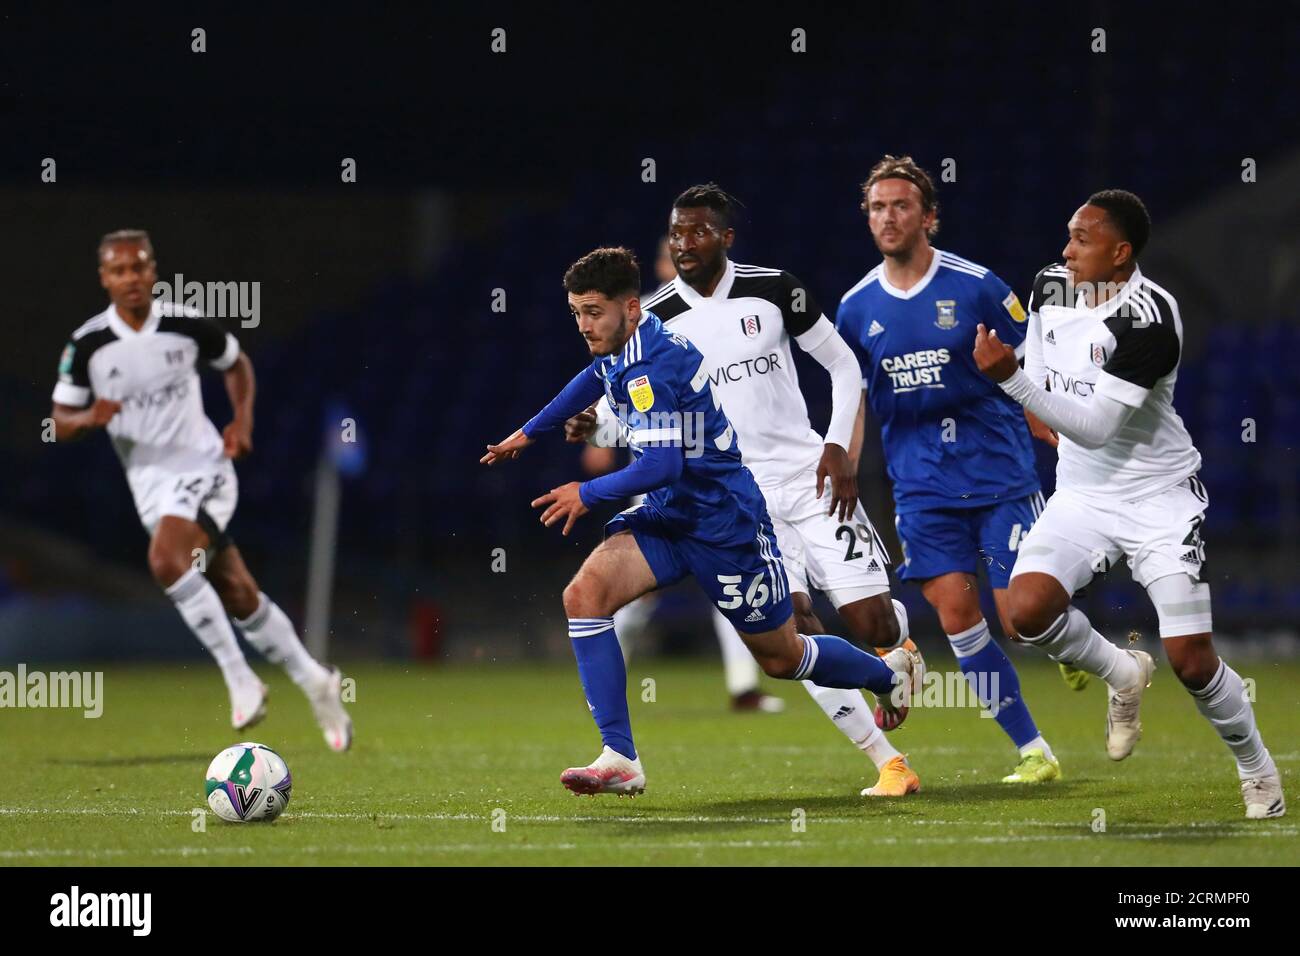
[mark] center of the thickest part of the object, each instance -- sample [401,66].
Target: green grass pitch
[440,750]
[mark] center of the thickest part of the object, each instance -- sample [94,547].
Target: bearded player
[957,450]
[1102,357]
[598,427]
[132,370]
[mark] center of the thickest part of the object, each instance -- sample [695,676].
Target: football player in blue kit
[703,516]
[958,451]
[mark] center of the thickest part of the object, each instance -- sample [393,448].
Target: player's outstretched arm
[581,392]
[241,385]
[72,423]
[1090,424]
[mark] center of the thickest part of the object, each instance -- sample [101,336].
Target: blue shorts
[942,540]
[744,578]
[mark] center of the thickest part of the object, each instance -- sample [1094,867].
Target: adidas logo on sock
[843,712]
[754,615]
[875,329]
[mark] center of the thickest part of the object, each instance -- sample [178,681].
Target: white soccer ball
[248,782]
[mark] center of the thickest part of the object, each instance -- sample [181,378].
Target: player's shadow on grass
[141,760]
[731,815]
[942,793]
[851,804]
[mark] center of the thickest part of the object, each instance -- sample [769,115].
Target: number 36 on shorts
[756,595]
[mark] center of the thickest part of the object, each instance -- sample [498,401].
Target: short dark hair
[904,167]
[1128,213]
[124,235]
[612,271]
[711,196]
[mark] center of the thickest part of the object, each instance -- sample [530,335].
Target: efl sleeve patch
[1012,305]
[642,395]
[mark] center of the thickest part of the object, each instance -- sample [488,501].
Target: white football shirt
[743,331]
[1127,349]
[161,426]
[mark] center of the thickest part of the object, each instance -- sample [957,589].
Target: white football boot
[1263,796]
[327,705]
[1123,728]
[891,708]
[611,772]
[247,703]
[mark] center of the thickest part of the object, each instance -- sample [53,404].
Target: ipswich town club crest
[947,313]
[1098,355]
[750,326]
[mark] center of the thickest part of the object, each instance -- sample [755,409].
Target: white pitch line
[1246,826]
[346,849]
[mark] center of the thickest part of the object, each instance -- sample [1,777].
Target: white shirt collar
[916,289]
[1113,303]
[123,330]
[721,292]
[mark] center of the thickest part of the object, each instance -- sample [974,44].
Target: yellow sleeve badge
[1012,305]
[642,395]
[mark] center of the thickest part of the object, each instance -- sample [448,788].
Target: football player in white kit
[742,319]
[1105,341]
[133,370]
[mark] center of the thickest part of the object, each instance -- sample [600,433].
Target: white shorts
[206,496]
[1076,537]
[846,560]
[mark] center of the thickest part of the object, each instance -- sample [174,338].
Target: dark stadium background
[481,171]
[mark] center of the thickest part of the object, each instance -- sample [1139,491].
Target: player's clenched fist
[100,413]
[562,502]
[994,357]
[510,448]
[237,439]
[580,427]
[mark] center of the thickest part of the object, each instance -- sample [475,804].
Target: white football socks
[1071,640]
[198,603]
[849,711]
[971,641]
[738,664]
[904,631]
[271,632]
[1224,703]
[1038,743]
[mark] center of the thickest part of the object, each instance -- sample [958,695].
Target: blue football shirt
[951,437]
[658,387]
